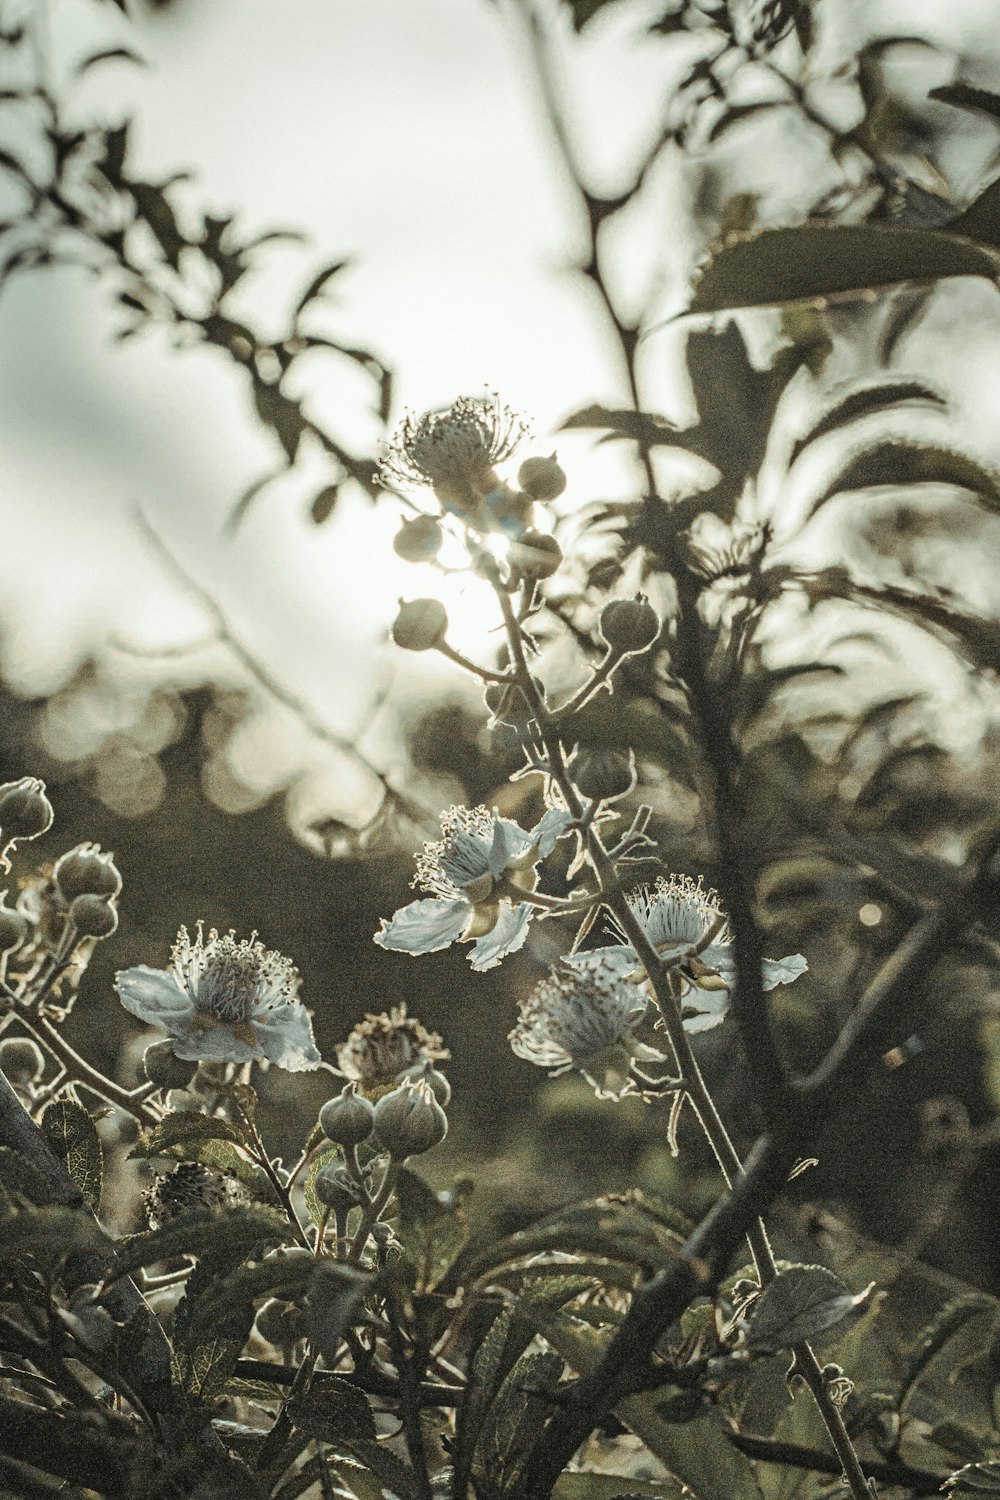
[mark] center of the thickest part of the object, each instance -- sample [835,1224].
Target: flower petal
[506,937]
[216,1044]
[711,1006]
[510,842]
[620,957]
[550,829]
[155,997]
[774,971]
[719,956]
[286,1037]
[424,926]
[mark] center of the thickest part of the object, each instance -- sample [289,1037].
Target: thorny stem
[372,1210]
[80,1071]
[662,984]
[282,1189]
[486,673]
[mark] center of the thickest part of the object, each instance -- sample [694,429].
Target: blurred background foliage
[260,765]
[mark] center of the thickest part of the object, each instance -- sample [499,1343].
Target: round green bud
[21,1059]
[13,926]
[334,1188]
[164,1068]
[438,1084]
[536,555]
[418,540]
[542,478]
[93,916]
[25,811]
[420,625]
[603,775]
[410,1121]
[347,1119]
[85,871]
[629,625]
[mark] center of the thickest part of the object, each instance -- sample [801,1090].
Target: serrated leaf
[197,1231]
[72,1137]
[332,1411]
[898,462]
[864,402]
[432,1229]
[184,1127]
[975,1479]
[960,1331]
[513,1426]
[801,1303]
[389,1470]
[772,266]
[224,1156]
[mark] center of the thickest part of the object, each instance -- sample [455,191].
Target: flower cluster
[474,874]
[224,1000]
[382,1048]
[454,453]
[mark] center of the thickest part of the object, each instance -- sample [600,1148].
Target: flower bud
[21,1059]
[629,625]
[536,555]
[418,540]
[409,1120]
[13,926]
[334,1188]
[93,916]
[424,1072]
[542,478]
[164,1068]
[604,775]
[420,624]
[25,811]
[349,1118]
[85,871]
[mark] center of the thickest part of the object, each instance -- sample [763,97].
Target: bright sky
[407,136]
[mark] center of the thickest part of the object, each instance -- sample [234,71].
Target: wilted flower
[679,913]
[224,1001]
[191,1185]
[584,1016]
[454,452]
[479,850]
[382,1047]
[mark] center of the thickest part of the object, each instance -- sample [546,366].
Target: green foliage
[432,1229]
[800,1304]
[73,1138]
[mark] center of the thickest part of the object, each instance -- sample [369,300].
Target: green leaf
[198,1231]
[625,1229]
[21,1177]
[224,1156]
[898,462]
[613,1487]
[967,96]
[185,1127]
[73,1138]
[280,1275]
[319,1159]
[432,1228]
[975,1479]
[391,1472]
[862,403]
[332,1411]
[772,266]
[513,1426]
[50,1234]
[799,1304]
[959,1333]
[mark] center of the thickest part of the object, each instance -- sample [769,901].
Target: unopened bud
[536,555]
[349,1118]
[410,1121]
[13,926]
[438,1084]
[542,478]
[85,871]
[21,1059]
[418,540]
[334,1188]
[604,775]
[164,1068]
[25,811]
[93,916]
[629,625]
[420,625]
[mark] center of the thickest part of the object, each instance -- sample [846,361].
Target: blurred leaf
[185,1126]
[981,220]
[110,54]
[513,1426]
[975,1479]
[432,1228]
[50,1233]
[783,265]
[332,1411]
[584,11]
[197,1231]
[959,1333]
[320,1158]
[154,208]
[317,285]
[281,1275]
[391,1472]
[603,1486]
[898,462]
[801,1302]
[248,496]
[280,413]
[968,96]
[73,1138]
[112,163]
[622,1229]
[737,113]
[19,1175]
[622,422]
[324,504]
[862,403]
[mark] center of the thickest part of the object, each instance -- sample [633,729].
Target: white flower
[224,1001]
[584,1016]
[453,451]
[462,871]
[678,913]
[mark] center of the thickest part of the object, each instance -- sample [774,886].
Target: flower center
[233,981]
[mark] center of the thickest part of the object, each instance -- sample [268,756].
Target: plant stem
[80,1071]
